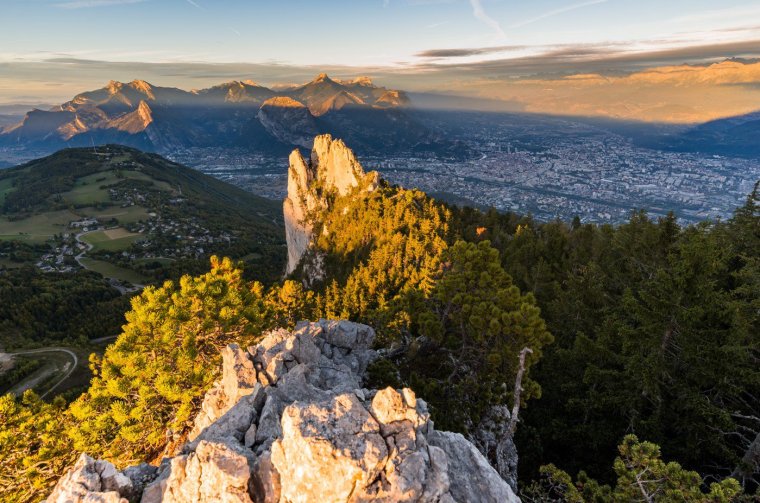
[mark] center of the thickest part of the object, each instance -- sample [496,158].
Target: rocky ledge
[289,421]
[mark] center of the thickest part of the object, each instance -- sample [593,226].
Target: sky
[51,49]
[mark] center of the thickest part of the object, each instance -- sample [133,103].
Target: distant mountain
[288,120]
[239,114]
[734,136]
[10,115]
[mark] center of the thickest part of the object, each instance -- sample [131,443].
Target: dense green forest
[657,333]
[646,328]
[57,308]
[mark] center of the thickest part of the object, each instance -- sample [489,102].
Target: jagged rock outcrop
[233,114]
[289,421]
[331,169]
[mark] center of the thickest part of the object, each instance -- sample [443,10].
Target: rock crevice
[290,421]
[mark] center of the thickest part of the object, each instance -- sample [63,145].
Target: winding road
[26,384]
[87,245]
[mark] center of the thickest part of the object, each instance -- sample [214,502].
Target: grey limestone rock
[290,421]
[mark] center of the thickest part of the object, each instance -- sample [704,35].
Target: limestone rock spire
[332,167]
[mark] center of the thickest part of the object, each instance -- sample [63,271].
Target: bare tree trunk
[494,435]
[518,391]
[750,463]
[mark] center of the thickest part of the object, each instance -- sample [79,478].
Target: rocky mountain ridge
[290,421]
[233,114]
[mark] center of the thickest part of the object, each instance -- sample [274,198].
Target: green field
[128,215]
[89,189]
[41,227]
[117,239]
[37,228]
[158,184]
[160,260]
[109,270]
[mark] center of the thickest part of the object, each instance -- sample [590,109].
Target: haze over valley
[550,166]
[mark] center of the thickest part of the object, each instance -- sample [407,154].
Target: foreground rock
[331,169]
[289,421]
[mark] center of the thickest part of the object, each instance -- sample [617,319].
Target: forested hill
[42,184]
[655,327]
[146,218]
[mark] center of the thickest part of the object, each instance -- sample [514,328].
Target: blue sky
[380,36]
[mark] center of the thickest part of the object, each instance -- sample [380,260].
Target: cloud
[194,4]
[464,52]
[734,29]
[84,4]
[480,15]
[436,25]
[594,58]
[31,75]
[556,12]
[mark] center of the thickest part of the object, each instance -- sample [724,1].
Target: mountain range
[233,114]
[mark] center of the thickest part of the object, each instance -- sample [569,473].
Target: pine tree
[149,383]
[475,325]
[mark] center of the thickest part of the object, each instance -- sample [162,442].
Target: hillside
[126,214]
[732,136]
[82,226]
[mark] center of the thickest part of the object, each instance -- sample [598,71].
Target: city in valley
[550,168]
